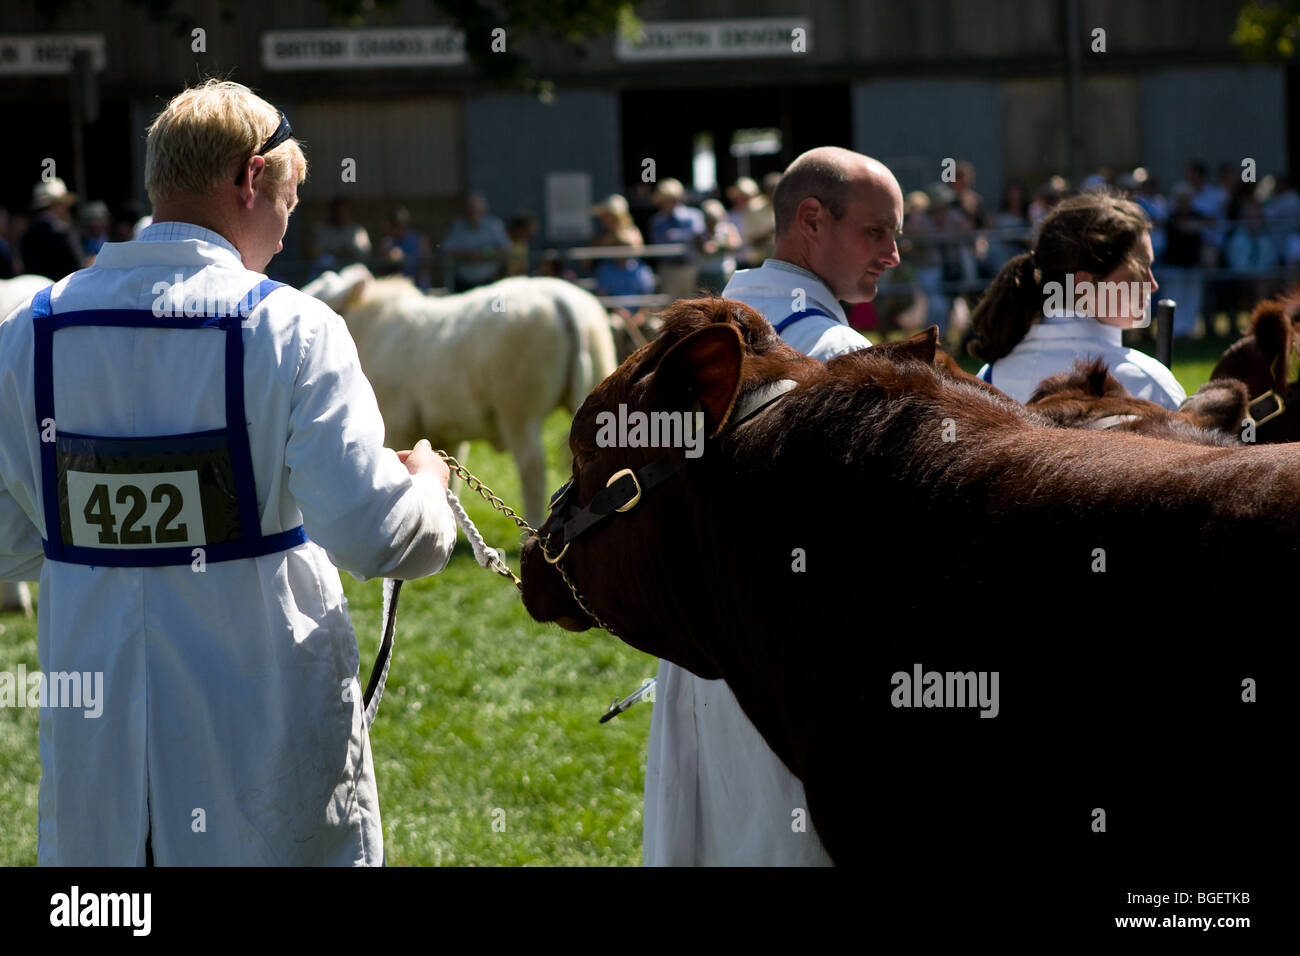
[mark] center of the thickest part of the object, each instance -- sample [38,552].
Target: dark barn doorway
[769,125]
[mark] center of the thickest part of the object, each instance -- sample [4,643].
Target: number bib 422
[115,501]
[146,492]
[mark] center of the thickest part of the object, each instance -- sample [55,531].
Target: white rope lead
[494,559]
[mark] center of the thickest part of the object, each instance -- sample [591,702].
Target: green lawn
[485,710]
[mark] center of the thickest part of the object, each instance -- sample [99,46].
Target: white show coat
[715,792]
[232,729]
[1052,345]
[772,288]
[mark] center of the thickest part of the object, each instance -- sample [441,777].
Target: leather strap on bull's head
[1275,393]
[622,492]
[706,365]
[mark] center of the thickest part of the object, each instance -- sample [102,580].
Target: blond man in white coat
[716,794]
[208,453]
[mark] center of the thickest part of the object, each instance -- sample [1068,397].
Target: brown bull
[837,544]
[1262,360]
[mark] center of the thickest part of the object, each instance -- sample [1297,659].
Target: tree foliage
[1268,30]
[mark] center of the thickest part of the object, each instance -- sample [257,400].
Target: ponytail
[1007,310]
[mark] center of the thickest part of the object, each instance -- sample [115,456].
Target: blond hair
[205,132]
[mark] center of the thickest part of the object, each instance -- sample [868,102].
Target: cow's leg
[14,596]
[525,442]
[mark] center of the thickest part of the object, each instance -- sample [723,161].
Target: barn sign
[36,54]
[717,39]
[362,49]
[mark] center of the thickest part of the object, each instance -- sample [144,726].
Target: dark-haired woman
[1062,301]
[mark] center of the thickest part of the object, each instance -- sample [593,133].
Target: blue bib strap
[241,456]
[43,374]
[988,374]
[794,317]
[163,557]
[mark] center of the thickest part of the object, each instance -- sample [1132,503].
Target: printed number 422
[99,512]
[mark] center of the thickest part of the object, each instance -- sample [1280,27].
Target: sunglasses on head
[282,132]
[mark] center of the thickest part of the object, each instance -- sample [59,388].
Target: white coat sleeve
[21,554]
[357,500]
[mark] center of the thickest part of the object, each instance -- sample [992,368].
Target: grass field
[485,710]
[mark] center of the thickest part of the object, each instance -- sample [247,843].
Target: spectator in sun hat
[751,213]
[50,246]
[676,222]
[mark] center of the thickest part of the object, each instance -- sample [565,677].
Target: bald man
[837,216]
[716,794]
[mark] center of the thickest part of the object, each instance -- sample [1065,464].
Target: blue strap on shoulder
[241,456]
[794,317]
[988,373]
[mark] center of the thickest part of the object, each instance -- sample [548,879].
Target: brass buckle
[1281,407]
[635,498]
[556,559]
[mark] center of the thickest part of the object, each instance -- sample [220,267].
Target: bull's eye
[560,494]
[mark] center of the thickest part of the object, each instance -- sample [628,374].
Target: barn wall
[512,141]
[1215,114]
[913,125]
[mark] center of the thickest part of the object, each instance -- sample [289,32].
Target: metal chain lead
[488,495]
[578,597]
[491,498]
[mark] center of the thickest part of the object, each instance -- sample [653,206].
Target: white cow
[487,364]
[14,294]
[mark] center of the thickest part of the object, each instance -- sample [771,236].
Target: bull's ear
[920,346]
[1096,376]
[1220,404]
[1273,333]
[706,366]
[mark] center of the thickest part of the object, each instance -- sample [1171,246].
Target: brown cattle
[862,556]
[1090,397]
[1262,360]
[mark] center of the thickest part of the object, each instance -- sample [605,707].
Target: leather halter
[625,488]
[1271,393]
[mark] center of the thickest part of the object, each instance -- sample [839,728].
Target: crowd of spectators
[1221,243]
[51,240]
